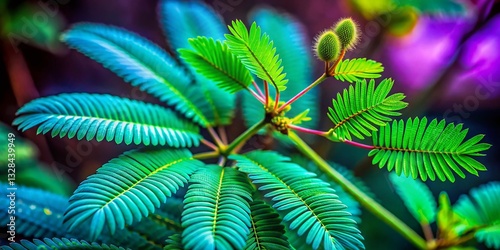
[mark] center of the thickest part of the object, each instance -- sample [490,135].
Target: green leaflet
[58,243]
[174,242]
[266,232]
[256,51]
[216,209]
[363,107]
[213,60]
[143,179]
[107,117]
[417,198]
[419,148]
[353,70]
[38,213]
[311,206]
[480,211]
[292,45]
[139,62]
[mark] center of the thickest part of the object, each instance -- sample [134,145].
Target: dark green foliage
[216,209]
[143,179]
[174,242]
[353,70]
[315,213]
[480,211]
[57,243]
[256,51]
[29,171]
[37,213]
[417,198]
[107,117]
[362,107]
[214,60]
[266,232]
[419,148]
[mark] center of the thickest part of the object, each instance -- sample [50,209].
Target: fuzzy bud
[327,46]
[347,31]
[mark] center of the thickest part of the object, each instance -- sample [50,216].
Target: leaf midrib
[362,111]
[225,73]
[120,121]
[217,201]
[298,196]
[144,178]
[259,62]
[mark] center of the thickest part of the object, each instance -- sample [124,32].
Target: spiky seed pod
[327,46]
[347,31]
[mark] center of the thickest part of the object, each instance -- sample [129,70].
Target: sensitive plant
[182,190]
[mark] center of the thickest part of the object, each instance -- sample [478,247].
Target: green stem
[303,92]
[366,201]
[243,137]
[206,155]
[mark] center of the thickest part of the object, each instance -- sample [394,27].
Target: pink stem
[258,89]
[307,130]
[256,95]
[359,145]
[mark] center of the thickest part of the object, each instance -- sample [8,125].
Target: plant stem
[359,145]
[216,137]
[301,93]
[427,232]
[206,155]
[256,95]
[243,137]
[366,201]
[307,130]
[222,134]
[209,144]
[266,91]
[258,89]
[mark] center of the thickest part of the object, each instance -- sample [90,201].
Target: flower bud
[327,46]
[347,31]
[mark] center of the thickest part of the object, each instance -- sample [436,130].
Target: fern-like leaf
[480,210]
[417,197]
[216,209]
[142,181]
[58,243]
[107,117]
[311,206]
[419,148]
[362,107]
[213,60]
[353,70]
[266,232]
[353,206]
[290,38]
[182,20]
[139,62]
[38,213]
[256,51]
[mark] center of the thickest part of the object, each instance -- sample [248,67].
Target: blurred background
[443,54]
